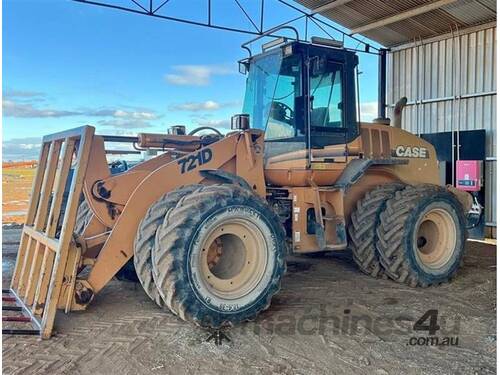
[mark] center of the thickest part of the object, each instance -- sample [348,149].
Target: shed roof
[395,22]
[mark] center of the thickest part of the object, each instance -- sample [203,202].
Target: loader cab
[302,95]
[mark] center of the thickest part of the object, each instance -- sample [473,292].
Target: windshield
[273,93]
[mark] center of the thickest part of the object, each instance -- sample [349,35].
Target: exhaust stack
[398,112]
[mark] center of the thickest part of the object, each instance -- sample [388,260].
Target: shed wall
[450,83]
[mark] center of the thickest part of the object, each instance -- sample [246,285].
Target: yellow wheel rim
[436,238]
[233,259]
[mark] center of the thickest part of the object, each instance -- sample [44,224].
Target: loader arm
[99,182]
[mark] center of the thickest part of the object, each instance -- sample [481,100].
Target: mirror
[243,67]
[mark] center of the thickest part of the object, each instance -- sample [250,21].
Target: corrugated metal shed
[442,57]
[393,22]
[450,82]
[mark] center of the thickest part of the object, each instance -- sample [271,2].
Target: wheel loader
[207,223]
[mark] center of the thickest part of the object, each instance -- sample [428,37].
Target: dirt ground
[16,187]
[309,329]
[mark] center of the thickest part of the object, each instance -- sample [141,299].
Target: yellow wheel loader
[209,221]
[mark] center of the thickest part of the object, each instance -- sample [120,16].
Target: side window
[326,98]
[285,119]
[280,123]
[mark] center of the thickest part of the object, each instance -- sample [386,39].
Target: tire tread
[391,232]
[174,233]
[363,225]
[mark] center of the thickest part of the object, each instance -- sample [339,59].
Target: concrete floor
[328,319]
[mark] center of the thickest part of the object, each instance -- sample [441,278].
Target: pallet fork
[46,266]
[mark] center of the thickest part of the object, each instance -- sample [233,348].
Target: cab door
[332,102]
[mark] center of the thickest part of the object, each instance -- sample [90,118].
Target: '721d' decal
[195,160]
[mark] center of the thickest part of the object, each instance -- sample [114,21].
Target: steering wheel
[194,131]
[281,111]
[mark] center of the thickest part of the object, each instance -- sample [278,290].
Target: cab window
[326,98]
[284,119]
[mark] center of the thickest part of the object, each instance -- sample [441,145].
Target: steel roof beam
[402,16]
[330,5]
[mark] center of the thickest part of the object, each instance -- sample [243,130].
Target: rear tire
[421,236]
[145,239]
[219,256]
[363,228]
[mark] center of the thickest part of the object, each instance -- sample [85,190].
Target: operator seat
[320,116]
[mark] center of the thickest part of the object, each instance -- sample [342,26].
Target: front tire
[421,236]
[219,256]
[145,239]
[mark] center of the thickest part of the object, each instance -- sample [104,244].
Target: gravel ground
[328,319]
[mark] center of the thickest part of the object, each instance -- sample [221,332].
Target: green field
[19,172]
[16,184]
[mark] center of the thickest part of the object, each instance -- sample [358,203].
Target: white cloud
[126,123]
[21,149]
[209,105]
[195,75]
[15,109]
[136,115]
[369,111]
[213,123]
[9,94]
[28,146]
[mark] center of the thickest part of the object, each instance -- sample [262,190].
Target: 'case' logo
[411,152]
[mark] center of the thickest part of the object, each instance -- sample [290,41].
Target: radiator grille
[376,143]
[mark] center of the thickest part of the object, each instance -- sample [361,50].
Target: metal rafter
[329,6]
[246,15]
[155,13]
[312,16]
[401,16]
[153,10]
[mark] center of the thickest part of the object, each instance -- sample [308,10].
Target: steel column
[382,82]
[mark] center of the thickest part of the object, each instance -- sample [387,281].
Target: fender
[225,177]
[357,168]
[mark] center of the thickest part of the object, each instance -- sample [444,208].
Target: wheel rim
[233,259]
[436,238]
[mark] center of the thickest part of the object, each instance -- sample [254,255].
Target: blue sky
[67,64]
